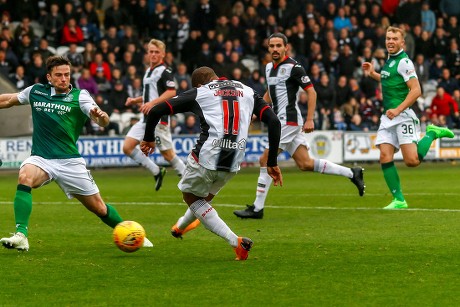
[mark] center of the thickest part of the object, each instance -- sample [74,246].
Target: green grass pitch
[319,244]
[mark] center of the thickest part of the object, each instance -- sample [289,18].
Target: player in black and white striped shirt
[225,108]
[284,77]
[159,85]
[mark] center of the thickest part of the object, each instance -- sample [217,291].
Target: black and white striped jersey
[225,109]
[283,82]
[156,81]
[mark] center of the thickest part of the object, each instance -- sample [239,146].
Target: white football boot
[18,241]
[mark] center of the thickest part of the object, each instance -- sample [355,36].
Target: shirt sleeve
[300,76]
[86,102]
[168,79]
[23,95]
[406,69]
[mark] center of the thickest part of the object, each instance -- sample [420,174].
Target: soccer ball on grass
[129,236]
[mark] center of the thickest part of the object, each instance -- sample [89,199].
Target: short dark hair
[202,75]
[56,60]
[279,35]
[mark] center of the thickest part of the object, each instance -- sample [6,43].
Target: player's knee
[413,162]
[25,180]
[306,165]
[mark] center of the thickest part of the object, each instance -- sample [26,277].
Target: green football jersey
[58,119]
[398,69]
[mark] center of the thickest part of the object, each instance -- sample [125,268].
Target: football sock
[210,219]
[263,185]
[424,144]
[186,220]
[22,208]
[178,165]
[112,218]
[390,173]
[138,156]
[327,167]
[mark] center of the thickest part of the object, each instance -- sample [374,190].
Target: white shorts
[291,138]
[163,138]
[403,129]
[200,181]
[70,174]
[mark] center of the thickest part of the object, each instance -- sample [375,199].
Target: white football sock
[143,160]
[178,165]
[210,219]
[186,220]
[263,185]
[330,168]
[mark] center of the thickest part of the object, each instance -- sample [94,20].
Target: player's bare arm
[309,124]
[267,97]
[99,117]
[8,100]
[369,70]
[275,173]
[414,92]
[133,100]
[147,147]
[145,108]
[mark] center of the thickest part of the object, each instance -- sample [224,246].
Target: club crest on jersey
[170,83]
[283,71]
[68,98]
[305,79]
[228,144]
[392,63]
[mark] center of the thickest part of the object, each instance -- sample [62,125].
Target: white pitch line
[238,205]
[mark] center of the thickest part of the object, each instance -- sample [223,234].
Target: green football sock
[390,173]
[424,144]
[22,208]
[112,218]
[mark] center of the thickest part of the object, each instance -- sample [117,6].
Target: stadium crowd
[330,38]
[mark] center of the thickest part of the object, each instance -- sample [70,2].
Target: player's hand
[98,113]
[147,147]
[368,68]
[308,126]
[392,113]
[130,101]
[145,108]
[275,173]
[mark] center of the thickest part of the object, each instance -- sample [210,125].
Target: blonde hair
[397,30]
[159,44]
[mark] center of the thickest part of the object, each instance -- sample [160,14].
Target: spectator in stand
[69,11]
[346,63]
[204,17]
[24,28]
[350,108]
[91,32]
[36,70]
[205,57]
[257,82]
[325,102]
[19,79]
[453,58]
[87,82]
[6,67]
[219,66]
[75,58]
[116,16]
[342,92]
[444,108]
[428,18]
[439,40]
[449,8]
[8,36]
[89,53]
[103,85]
[90,14]
[117,99]
[71,33]
[422,68]
[101,64]
[24,50]
[53,23]
[341,21]
[182,74]
[112,39]
[449,83]
[134,88]
[436,68]
[190,125]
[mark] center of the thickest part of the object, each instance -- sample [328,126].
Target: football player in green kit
[59,112]
[399,126]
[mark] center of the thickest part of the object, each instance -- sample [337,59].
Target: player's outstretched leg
[358,179]
[397,204]
[249,213]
